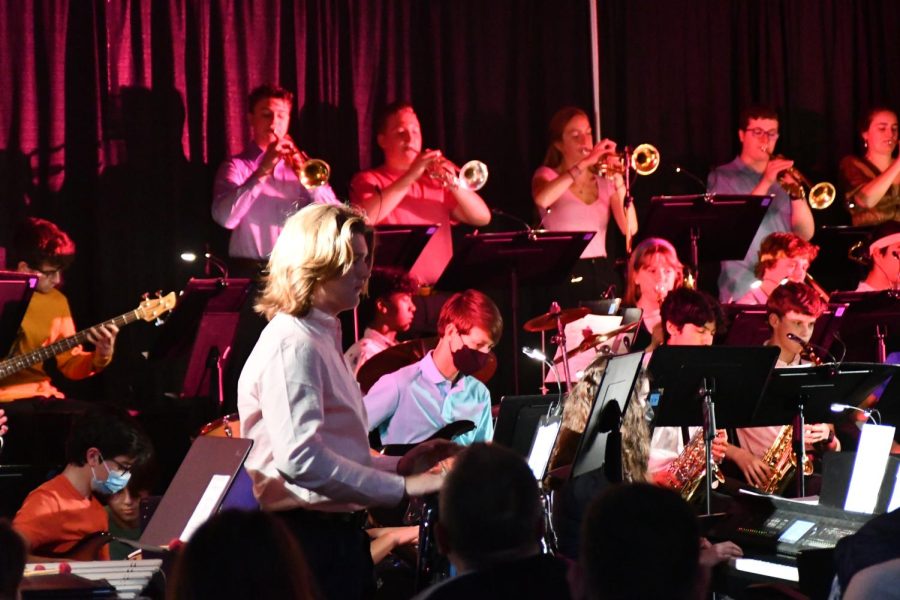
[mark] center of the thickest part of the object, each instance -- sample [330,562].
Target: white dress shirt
[301,406]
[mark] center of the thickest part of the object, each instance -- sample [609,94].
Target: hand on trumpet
[424,162]
[280,149]
[775,166]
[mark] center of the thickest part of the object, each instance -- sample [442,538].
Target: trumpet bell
[314,173]
[473,175]
[645,159]
[822,195]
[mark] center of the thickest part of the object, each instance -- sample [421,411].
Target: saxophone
[686,472]
[782,460]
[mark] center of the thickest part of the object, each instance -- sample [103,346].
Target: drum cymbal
[406,353]
[592,341]
[547,321]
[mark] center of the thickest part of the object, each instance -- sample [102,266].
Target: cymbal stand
[544,389]
[560,340]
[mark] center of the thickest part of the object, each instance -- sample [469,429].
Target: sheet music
[216,487]
[575,334]
[868,468]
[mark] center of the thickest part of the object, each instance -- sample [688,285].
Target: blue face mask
[115,482]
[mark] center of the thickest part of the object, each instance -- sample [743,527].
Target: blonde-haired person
[300,404]
[653,271]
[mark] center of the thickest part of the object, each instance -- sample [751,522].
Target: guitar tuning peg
[159,293]
[145,296]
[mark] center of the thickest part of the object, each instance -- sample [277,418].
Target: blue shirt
[737,178]
[410,405]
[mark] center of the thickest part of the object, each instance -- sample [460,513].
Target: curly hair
[315,246]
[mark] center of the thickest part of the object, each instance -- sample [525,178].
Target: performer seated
[757,171]
[257,189]
[884,259]
[493,536]
[403,192]
[689,318]
[792,308]
[653,271]
[300,404]
[388,311]
[782,257]
[412,404]
[102,448]
[42,248]
[872,184]
[571,196]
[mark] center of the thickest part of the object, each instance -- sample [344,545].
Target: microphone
[681,170]
[811,348]
[837,407]
[519,220]
[535,354]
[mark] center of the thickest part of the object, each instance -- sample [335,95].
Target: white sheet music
[868,468]
[208,502]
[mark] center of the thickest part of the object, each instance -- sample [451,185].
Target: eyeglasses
[119,466]
[48,273]
[757,132]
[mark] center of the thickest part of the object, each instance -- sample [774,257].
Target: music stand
[400,245]
[518,419]
[727,224]
[748,325]
[800,394]
[16,290]
[511,259]
[871,328]
[600,444]
[683,380]
[204,321]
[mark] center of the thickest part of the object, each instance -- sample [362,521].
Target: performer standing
[756,171]
[301,406]
[872,184]
[256,190]
[403,192]
[570,196]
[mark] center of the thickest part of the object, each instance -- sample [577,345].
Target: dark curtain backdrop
[114,114]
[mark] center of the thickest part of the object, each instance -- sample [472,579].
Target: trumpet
[820,195]
[644,160]
[471,176]
[312,172]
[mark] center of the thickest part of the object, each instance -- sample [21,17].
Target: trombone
[644,160]
[820,195]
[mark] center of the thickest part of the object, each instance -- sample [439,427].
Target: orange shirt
[55,516]
[48,319]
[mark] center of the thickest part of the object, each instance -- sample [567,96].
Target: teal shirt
[410,405]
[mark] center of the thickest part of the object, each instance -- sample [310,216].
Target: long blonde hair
[314,247]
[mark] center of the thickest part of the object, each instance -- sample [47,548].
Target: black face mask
[469,361]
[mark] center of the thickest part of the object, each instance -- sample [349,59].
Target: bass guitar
[148,310]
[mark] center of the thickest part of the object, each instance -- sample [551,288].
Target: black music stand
[871,328]
[400,245]
[683,380]
[16,290]
[748,325]
[204,322]
[796,395]
[600,444]
[727,224]
[511,259]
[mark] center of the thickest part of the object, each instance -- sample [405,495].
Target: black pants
[337,551]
